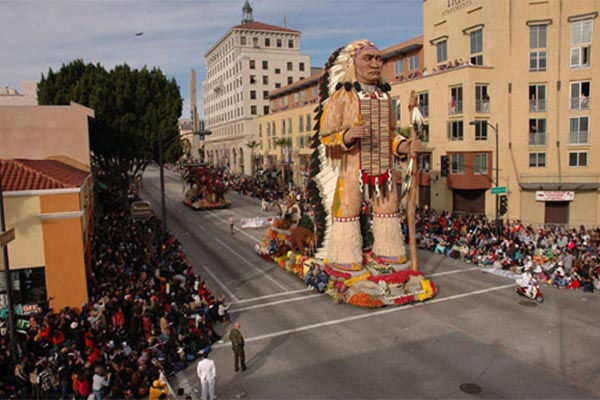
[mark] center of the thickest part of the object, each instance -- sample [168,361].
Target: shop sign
[549,195]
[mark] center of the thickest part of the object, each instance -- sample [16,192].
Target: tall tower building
[248,62]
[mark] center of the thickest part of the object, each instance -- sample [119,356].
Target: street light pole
[497,182]
[163,205]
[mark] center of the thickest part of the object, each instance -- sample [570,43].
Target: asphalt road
[301,345]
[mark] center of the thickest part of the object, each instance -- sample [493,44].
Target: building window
[283,127]
[581,43]
[265,65]
[578,159]
[267,42]
[29,285]
[456,100]
[265,110]
[397,110]
[482,99]
[290,66]
[580,95]
[480,164]
[424,103]
[457,164]
[537,98]
[243,40]
[301,123]
[260,129]
[455,130]
[308,127]
[290,43]
[399,67]
[413,63]
[296,98]
[481,131]
[579,130]
[265,95]
[277,85]
[252,79]
[537,131]
[424,160]
[290,126]
[277,70]
[537,48]
[255,42]
[253,95]
[253,110]
[442,51]
[537,160]
[301,66]
[425,133]
[252,64]
[477,47]
[265,79]
[279,42]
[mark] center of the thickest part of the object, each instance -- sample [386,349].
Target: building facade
[49,204]
[507,91]
[248,62]
[12,97]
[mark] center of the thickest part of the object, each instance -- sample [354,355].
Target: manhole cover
[528,303]
[470,388]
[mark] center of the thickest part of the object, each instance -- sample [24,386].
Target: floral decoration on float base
[374,284]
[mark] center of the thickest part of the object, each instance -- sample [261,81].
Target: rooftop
[20,174]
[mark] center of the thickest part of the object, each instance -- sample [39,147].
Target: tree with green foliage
[132,108]
[253,144]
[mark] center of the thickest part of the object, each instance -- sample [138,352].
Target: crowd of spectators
[557,255]
[148,315]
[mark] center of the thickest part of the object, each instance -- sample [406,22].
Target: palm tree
[252,145]
[283,144]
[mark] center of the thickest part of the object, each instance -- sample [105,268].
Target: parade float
[203,189]
[303,245]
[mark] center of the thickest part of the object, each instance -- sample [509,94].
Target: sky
[36,35]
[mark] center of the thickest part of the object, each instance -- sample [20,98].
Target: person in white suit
[207,373]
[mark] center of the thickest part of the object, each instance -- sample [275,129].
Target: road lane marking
[458,271]
[273,303]
[269,296]
[220,283]
[268,276]
[367,315]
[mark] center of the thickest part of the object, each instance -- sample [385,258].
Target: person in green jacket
[237,345]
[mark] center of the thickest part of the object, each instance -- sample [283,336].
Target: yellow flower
[362,277]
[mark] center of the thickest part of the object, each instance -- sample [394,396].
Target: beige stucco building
[249,61]
[12,97]
[524,71]
[39,132]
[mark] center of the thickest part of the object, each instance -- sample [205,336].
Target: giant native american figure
[356,143]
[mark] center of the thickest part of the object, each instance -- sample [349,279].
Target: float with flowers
[302,245]
[203,188]
[290,243]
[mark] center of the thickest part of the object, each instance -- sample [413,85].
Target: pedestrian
[237,345]
[207,374]
[100,382]
[231,224]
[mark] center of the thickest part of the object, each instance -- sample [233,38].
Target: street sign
[499,190]
[6,237]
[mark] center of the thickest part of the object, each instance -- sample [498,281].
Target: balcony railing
[537,105]
[580,103]
[537,138]
[455,107]
[579,137]
[482,106]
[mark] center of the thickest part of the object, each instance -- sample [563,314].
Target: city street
[301,345]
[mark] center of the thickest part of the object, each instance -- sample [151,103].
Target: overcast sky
[36,35]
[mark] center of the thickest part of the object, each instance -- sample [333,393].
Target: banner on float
[256,222]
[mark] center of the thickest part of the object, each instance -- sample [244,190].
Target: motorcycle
[535,293]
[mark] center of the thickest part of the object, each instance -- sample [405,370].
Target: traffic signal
[503,205]
[445,165]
